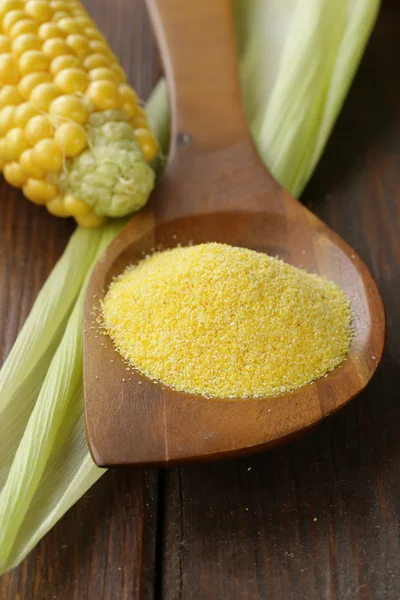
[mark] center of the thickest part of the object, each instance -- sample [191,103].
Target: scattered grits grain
[228,322]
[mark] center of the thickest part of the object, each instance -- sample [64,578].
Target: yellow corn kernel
[8,69]
[14,144]
[56,47]
[69,25]
[4,43]
[23,113]
[71,138]
[147,143]
[25,42]
[39,191]
[96,60]
[100,48]
[127,92]
[69,107]
[11,18]
[104,95]
[131,108]
[8,5]
[33,61]
[39,10]
[103,74]
[120,73]
[139,121]
[78,14]
[64,62]
[13,174]
[24,26]
[29,167]
[60,14]
[29,83]
[72,80]
[10,96]
[38,128]
[94,34]
[43,95]
[7,119]
[90,220]
[57,208]
[76,207]
[60,5]
[83,22]
[87,104]
[79,44]
[47,31]
[47,155]
[129,100]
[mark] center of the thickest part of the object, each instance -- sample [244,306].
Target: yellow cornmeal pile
[229,322]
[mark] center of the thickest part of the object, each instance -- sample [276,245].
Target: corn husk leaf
[293,91]
[52,454]
[25,368]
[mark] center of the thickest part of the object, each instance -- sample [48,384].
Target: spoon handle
[198,48]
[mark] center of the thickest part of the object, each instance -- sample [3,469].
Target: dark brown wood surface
[216,189]
[317,519]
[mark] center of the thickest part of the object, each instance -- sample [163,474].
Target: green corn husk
[297,59]
[38,340]
[41,454]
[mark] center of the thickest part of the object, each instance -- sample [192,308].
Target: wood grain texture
[216,189]
[319,518]
[104,547]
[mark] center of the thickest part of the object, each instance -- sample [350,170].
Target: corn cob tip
[110,174]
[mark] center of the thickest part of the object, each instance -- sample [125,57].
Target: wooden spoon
[215,188]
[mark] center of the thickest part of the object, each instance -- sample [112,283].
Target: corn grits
[226,322]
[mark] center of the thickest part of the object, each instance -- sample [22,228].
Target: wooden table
[314,520]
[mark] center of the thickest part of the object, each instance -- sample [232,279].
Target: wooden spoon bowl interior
[133,420]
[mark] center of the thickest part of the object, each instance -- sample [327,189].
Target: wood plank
[105,546]
[319,518]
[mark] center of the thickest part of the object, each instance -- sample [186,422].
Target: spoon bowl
[215,189]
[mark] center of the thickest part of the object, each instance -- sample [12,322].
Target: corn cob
[72,134]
